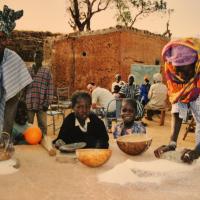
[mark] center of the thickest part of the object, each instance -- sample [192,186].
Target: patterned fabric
[39,93]
[2,99]
[14,76]
[7,19]
[133,92]
[130,91]
[195,108]
[1,82]
[180,55]
[178,90]
[137,128]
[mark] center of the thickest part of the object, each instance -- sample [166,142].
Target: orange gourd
[33,135]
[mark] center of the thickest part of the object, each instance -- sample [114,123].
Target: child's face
[127,112]
[82,109]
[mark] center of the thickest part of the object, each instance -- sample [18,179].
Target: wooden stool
[162,115]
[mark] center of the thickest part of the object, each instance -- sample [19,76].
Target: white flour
[150,171]
[6,167]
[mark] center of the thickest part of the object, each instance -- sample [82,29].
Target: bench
[162,115]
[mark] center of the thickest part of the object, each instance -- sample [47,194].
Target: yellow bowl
[93,157]
[134,144]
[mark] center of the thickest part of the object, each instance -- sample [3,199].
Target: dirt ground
[42,177]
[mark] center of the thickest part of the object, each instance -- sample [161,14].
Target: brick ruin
[26,42]
[79,58]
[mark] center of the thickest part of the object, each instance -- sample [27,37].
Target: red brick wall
[98,57]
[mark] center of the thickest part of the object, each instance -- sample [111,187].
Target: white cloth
[157,96]
[182,109]
[15,78]
[195,108]
[15,74]
[115,83]
[83,128]
[103,98]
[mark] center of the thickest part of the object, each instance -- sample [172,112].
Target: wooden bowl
[134,144]
[93,157]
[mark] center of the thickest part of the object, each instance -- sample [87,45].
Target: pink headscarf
[179,55]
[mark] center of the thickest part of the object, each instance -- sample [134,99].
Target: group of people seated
[151,97]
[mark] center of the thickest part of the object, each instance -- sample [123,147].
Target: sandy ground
[42,177]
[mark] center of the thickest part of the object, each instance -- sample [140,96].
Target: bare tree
[142,8]
[168,33]
[82,11]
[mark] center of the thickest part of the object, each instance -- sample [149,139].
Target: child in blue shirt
[128,124]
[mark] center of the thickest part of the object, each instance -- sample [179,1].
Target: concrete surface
[42,177]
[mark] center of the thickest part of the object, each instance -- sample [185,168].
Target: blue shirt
[136,128]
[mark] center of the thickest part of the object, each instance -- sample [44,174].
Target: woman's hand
[162,149]
[189,156]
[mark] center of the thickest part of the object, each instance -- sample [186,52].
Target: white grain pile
[7,167]
[154,171]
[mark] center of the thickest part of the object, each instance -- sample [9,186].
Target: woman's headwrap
[180,53]
[7,19]
[157,77]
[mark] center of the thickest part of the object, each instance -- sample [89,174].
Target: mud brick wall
[26,42]
[98,56]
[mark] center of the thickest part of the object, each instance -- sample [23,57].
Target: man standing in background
[39,94]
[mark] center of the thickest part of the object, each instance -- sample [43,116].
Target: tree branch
[135,18]
[100,9]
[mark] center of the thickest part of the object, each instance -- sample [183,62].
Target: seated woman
[82,125]
[20,124]
[128,124]
[157,97]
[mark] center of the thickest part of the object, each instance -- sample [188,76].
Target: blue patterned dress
[136,128]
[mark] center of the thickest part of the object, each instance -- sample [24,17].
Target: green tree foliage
[82,11]
[128,11]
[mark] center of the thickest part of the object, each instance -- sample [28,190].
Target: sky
[50,15]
